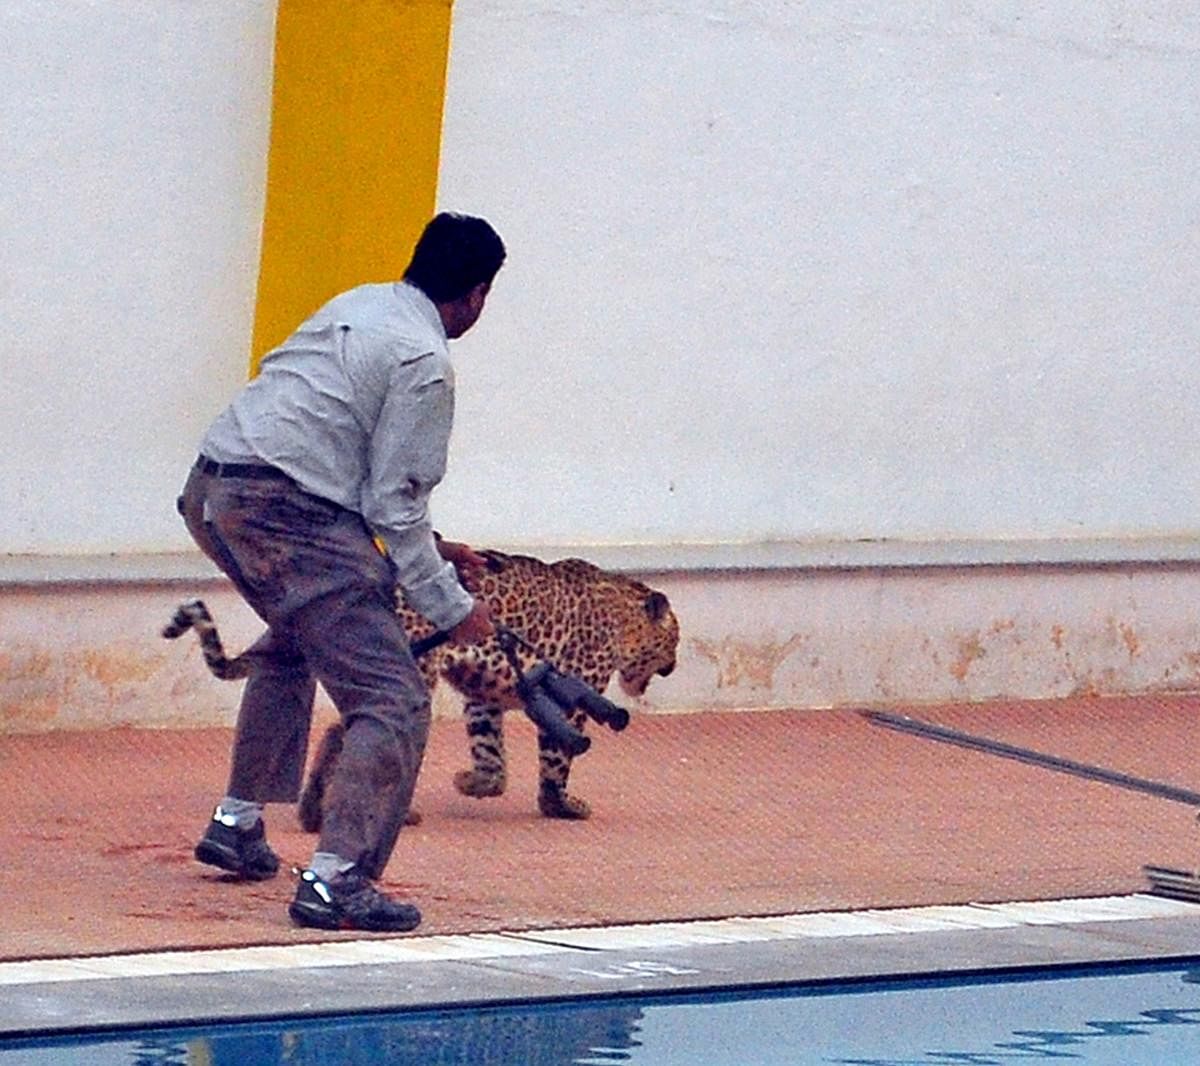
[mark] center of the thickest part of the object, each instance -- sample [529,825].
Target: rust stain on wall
[24,713]
[25,664]
[970,649]
[1182,675]
[752,663]
[1130,638]
[1103,682]
[1003,634]
[41,687]
[31,691]
[112,667]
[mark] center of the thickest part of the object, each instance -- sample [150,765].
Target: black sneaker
[349,901]
[243,852]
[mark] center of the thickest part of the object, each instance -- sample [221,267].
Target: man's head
[454,263]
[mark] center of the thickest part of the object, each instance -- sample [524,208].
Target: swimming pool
[1110,1015]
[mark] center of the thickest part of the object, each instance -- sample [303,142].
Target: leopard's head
[648,639]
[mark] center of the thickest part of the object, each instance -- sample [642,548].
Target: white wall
[846,270]
[130,201]
[778,272]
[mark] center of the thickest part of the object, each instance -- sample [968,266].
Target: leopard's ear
[657,606]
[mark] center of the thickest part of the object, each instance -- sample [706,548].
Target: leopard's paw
[478,784]
[556,802]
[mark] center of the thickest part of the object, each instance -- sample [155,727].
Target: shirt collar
[406,290]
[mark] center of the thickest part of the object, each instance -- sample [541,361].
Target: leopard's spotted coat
[585,621]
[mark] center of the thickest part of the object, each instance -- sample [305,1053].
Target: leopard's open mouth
[637,688]
[631,688]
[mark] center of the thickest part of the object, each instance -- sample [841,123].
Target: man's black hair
[454,254]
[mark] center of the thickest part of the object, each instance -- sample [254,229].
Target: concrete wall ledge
[191,567]
[80,644]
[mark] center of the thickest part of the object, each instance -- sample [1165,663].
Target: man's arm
[407,459]
[467,563]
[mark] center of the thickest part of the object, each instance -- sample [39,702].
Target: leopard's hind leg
[311,807]
[554,801]
[488,775]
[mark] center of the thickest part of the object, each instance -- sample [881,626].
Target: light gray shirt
[356,406]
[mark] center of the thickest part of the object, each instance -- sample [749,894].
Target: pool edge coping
[87,995]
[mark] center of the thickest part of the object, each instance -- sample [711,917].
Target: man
[321,461]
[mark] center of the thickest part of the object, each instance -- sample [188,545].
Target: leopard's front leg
[485,733]
[554,801]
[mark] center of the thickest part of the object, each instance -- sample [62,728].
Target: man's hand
[476,627]
[465,559]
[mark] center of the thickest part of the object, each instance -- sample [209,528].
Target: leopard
[584,621]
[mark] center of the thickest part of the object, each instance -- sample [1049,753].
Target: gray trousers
[311,571]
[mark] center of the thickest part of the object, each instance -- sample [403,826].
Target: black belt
[257,471]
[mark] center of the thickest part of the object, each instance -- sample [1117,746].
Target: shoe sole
[314,917]
[321,917]
[213,854]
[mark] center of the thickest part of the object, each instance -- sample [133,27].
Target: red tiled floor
[699,815]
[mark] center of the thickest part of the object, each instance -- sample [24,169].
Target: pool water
[1101,1016]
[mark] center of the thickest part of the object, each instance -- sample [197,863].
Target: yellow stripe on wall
[356,119]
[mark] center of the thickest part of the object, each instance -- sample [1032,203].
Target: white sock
[246,814]
[327,865]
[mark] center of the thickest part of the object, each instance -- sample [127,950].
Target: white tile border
[651,935]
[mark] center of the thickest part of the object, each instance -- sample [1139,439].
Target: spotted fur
[585,621]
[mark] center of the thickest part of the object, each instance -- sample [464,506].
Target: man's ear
[478,295]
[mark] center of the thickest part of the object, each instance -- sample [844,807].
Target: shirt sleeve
[407,459]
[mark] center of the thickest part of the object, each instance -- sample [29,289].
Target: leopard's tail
[193,614]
